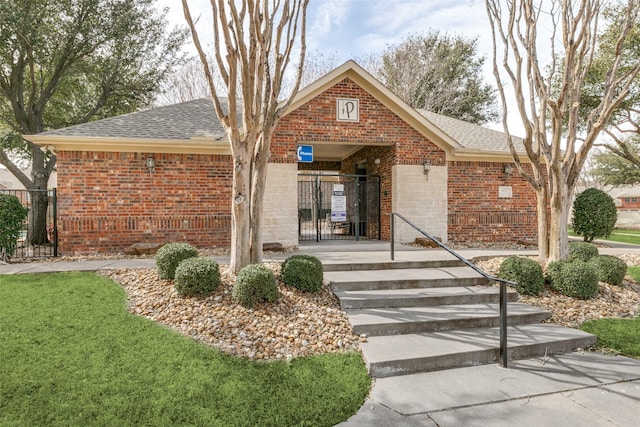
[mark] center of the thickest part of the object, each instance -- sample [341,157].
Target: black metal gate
[338,207]
[45,243]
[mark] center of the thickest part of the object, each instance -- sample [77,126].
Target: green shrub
[197,276]
[582,250]
[255,283]
[594,214]
[311,258]
[554,269]
[169,257]
[526,272]
[12,215]
[576,279]
[304,273]
[609,268]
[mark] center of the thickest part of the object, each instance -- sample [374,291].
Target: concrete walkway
[576,389]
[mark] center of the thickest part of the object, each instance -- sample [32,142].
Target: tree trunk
[560,205]
[37,229]
[257,200]
[543,225]
[240,208]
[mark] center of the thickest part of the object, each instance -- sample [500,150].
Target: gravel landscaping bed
[300,323]
[297,324]
[611,301]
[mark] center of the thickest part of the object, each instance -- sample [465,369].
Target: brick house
[165,174]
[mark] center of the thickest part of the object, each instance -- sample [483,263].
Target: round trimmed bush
[311,258]
[609,268]
[197,276]
[582,250]
[576,279]
[526,272]
[554,269]
[594,214]
[303,273]
[170,256]
[255,283]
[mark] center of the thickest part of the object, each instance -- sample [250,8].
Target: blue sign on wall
[305,153]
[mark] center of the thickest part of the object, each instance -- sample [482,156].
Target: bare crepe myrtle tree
[253,43]
[547,96]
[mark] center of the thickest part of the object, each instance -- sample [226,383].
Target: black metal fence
[338,207]
[39,234]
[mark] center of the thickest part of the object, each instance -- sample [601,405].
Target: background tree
[442,74]
[253,45]
[557,138]
[190,82]
[65,62]
[186,84]
[594,214]
[623,127]
[618,168]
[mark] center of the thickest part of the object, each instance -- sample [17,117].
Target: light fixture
[151,164]
[376,161]
[508,169]
[426,167]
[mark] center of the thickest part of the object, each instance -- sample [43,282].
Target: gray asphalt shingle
[472,136]
[178,121]
[197,119]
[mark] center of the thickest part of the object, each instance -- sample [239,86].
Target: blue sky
[355,28]
[351,29]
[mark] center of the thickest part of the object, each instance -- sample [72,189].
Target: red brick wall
[316,121]
[107,201]
[631,202]
[476,213]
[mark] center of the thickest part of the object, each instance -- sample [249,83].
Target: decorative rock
[273,247]
[268,332]
[427,243]
[301,324]
[143,249]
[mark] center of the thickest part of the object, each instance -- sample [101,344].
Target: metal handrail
[503,283]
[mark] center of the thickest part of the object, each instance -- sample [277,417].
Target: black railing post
[391,238]
[55,222]
[503,283]
[503,325]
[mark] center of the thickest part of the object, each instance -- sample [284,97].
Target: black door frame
[314,207]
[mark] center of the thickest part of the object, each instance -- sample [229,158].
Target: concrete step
[411,353]
[411,320]
[404,279]
[422,297]
[390,265]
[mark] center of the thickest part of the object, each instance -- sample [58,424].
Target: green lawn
[620,335]
[72,355]
[619,235]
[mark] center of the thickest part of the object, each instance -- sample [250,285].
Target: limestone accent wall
[281,204]
[420,198]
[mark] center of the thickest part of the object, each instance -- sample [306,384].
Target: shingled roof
[471,136]
[190,124]
[176,122]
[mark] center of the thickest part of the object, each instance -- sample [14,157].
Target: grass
[619,235]
[634,272]
[72,355]
[620,335]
